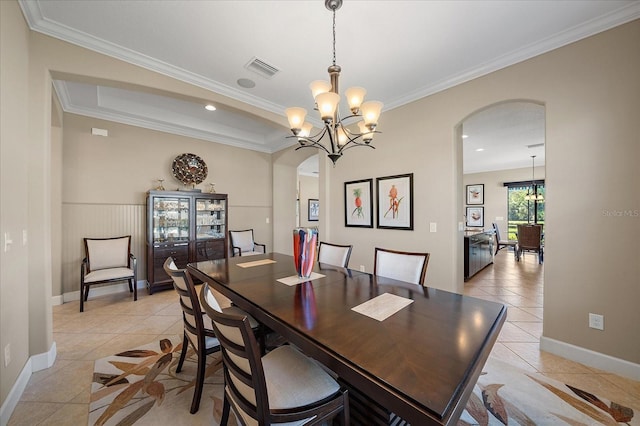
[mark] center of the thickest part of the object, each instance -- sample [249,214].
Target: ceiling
[398,50]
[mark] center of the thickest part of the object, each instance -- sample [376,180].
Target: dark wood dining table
[418,366]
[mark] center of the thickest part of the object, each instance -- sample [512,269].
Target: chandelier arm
[312,144]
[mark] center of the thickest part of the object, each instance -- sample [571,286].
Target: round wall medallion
[189,169]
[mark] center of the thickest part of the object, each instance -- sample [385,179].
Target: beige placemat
[294,279]
[383,306]
[256,263]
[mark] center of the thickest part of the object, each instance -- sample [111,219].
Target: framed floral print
[475,194]
[358,203]
[314,210]
[475,216]
[395,202]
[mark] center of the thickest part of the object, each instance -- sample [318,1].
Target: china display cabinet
[188,226]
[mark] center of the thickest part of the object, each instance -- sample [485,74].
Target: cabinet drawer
[209,250]
[180,255]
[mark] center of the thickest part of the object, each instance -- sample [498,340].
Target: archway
[496,145]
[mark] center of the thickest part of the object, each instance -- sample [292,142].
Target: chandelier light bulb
[319,86]
[370,113]
[296,117]
[327,105]
[342,137]
[367,135]
[355,97]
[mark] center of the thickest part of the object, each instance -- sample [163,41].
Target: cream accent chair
[107,261]
[243,244]
[401,265]
[283,386]
[334,254]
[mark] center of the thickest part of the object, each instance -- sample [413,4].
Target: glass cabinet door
[210,219]
[170,219]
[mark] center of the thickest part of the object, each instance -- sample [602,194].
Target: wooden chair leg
[135,290]
[81,297]
[225,411]
[197,393]
[183,353]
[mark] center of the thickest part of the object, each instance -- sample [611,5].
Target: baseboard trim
[45,360]
[96,292]
[34,363]
[591,358]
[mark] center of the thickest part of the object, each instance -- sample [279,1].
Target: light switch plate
[433,227]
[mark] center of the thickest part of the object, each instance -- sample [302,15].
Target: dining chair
[107,261]
[530,239]
[243,244]
[202,339]
[500,243]
[401,265]
[281,386]
[334,254]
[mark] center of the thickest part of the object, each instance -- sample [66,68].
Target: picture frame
[395,202]
[475,216]
[475,194]
[314,210]
[358,203]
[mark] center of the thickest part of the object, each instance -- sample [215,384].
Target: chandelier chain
[334,36]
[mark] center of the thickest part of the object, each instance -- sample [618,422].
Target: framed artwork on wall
[358,203]
[314,210]
[395,202]
[475,194]
[475,216]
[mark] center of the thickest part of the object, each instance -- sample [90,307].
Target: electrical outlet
[361,268]
[7,354]
[596,321]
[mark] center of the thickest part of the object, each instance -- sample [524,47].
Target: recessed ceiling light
[465,136]
[246,83]
[479,149]
[210,107]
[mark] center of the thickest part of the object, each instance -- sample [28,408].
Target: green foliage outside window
[521,211]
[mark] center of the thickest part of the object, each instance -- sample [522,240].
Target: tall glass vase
[305,241]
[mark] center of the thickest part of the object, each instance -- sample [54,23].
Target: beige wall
[14,190]
[495,193]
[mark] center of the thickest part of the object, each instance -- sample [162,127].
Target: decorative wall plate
[189,169]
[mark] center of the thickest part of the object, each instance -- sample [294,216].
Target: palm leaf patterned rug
[141,387]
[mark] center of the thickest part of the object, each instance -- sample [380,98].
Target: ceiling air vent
[261,67]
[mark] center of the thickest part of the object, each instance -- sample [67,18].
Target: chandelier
[533,194]
[341,133]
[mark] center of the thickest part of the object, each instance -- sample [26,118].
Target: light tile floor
[60,394]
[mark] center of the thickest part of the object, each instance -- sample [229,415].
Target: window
[521,211]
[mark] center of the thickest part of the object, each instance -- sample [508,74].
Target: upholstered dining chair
[243,244]
[284,386]
[530,239]
[500,243]
[401,265]
[334,254]
[107,261]
[202,339]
